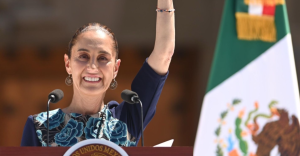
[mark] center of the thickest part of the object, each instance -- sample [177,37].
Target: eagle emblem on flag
[276,132]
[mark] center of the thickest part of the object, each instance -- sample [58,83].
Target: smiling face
[93,62]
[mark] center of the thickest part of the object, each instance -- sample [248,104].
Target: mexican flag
[251,106]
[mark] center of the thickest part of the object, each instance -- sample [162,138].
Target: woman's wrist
[165,4]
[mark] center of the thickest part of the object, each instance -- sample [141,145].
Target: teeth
[91,78]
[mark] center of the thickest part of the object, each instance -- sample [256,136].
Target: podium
[131,151]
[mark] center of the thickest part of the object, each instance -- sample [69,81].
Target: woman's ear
[67,64]
[116,68]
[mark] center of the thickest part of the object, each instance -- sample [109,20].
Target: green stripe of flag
[240,6]
[231,54]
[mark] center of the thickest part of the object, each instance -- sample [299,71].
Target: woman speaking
[92,65]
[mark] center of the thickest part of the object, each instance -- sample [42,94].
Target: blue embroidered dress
[119,123]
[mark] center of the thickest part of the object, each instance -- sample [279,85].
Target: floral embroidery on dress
[56,117]
[91,128]
[115,130]
[39,135]
[67,136]
[68,129]
[119,132]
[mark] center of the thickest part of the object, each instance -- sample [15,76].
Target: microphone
[132,97]
[55,96]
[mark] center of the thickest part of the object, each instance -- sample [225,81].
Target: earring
[69,80]
[113,84]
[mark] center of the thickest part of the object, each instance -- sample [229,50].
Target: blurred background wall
[34,35]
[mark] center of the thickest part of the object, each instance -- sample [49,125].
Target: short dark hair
[93,26]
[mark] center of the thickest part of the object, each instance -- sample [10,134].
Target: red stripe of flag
[269,10]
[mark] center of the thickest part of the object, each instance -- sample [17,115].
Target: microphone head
[127,95]
[56,95]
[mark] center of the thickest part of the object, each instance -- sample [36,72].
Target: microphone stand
[132,98]
[48,122]
[53,97]
[142,122]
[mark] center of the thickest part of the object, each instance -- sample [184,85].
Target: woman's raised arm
[164,47]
